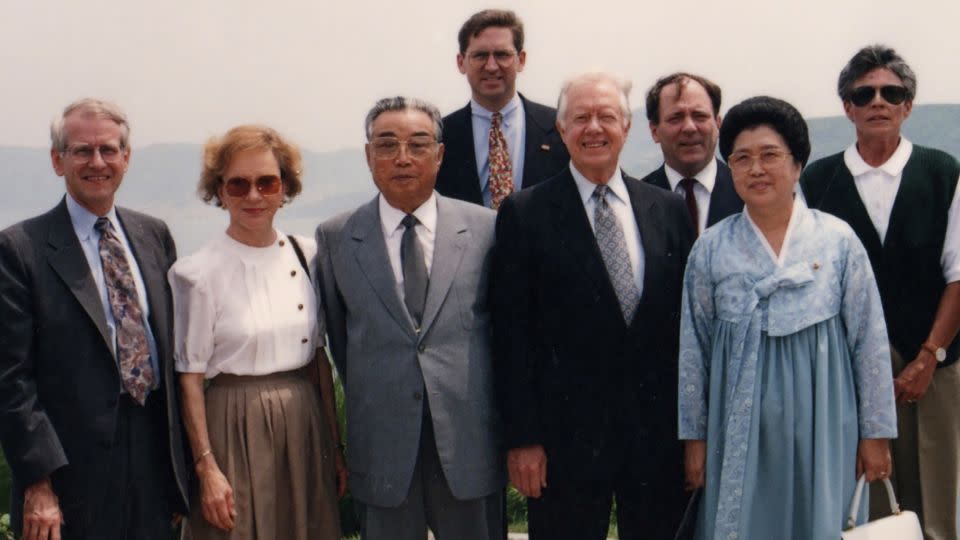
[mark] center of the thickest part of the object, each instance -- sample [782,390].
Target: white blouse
[244,310]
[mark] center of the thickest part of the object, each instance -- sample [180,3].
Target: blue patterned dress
[784,367]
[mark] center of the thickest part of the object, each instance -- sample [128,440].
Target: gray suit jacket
[388,369]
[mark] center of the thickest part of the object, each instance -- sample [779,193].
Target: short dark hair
[681,79]
[480,21]
[779,115]
[874,57]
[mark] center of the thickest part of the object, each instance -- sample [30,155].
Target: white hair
[623,87]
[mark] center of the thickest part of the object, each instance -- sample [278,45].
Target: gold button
[293,273]
[282,243]
[300,307]
[304,340]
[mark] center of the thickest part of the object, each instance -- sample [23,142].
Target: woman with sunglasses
[257,388]
[785,389]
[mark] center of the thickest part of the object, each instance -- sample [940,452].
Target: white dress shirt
[244,310]
[514,127]
[83,222]
[702,188]
[426,229]
[878,188]
[619,201]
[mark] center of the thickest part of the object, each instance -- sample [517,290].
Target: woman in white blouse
[263,432]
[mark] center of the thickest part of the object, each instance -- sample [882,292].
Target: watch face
[940,354]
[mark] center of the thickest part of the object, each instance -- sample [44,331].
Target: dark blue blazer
[545,154]
[724,200]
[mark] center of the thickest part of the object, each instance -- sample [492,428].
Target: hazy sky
[185,70]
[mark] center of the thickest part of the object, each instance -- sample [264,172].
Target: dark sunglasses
[892,94]
[240,187]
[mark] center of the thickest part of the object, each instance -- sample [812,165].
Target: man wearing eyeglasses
[89,419]
[684,114]
[404,283]
[500,141]
[902,200]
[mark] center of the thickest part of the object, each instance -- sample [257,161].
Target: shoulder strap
[296,248]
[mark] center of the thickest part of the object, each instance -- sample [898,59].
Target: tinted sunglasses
[892,94]
[240,187]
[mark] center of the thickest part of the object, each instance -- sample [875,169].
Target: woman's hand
[342,474]
[873,459]
[694,463]
[216,497]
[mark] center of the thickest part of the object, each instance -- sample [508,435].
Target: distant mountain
[162,178]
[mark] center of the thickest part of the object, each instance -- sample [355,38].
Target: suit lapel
[536,128]
[466,153]
[649,223]
[69,262]
[659,178]
[152,271]
[724,200]
[449,243]
[371,255]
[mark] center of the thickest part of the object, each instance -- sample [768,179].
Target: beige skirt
[271,439]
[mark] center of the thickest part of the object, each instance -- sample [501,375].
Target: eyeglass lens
[892,94]
[240,187]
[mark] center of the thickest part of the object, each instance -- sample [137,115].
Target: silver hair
[95,107]
[401,103]
[874,57]
[623,86]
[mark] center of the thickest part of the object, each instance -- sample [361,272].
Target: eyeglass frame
[433,142]
[504,58]
[71,152]
[883,90]
[267,184]
[767,159]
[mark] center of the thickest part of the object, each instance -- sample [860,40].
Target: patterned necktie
[687,185]
[613,249]
[414,270]
[136,371]
[501,170]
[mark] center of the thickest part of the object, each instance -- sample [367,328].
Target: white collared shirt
[878,188]
[702,188]
[391,223]
[514,128]
[619,201]
[83,222]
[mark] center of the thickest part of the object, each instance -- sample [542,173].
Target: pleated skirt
[271,439]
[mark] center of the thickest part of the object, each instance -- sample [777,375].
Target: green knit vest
[907,263]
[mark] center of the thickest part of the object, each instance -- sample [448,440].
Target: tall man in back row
[501,141]
[684,114]
[587,273]
[902,201]
[89,417]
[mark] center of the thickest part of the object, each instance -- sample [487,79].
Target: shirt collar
[391,218]
[707,176]
[893,167]
[83,219]
[586,187]
[506,112]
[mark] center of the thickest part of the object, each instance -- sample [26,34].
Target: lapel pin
[545,147]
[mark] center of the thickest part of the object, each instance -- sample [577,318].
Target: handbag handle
[858,493]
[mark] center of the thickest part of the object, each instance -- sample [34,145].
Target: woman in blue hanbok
[786,390]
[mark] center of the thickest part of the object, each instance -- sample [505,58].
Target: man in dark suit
[500,141]
[587,285]
[89,420]
[684,114]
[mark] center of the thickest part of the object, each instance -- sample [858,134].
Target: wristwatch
[938,352]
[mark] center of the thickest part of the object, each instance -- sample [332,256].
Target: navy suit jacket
[545,154]
[724,200]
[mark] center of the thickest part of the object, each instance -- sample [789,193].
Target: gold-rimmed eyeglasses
[503,58]
[768,159]
[83,153]
[389,147]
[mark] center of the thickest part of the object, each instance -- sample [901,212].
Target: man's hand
[528,469]
[912,383]
[873,459]
[216,498]
[41,512]
[694,463]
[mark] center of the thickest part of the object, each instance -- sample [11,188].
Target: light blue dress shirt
[514,127]
[83,221]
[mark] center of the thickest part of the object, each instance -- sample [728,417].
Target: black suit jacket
[600,395]
[544,155]
[59,381]
[724,200]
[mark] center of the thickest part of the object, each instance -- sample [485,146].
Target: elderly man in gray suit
[404,285]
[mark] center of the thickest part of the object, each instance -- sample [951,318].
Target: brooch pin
[545,147]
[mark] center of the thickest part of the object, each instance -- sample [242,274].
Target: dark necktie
[414,270]
[501,169]
[687,185]
[613,249]
[136,372]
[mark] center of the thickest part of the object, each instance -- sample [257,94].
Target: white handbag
[902,525]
